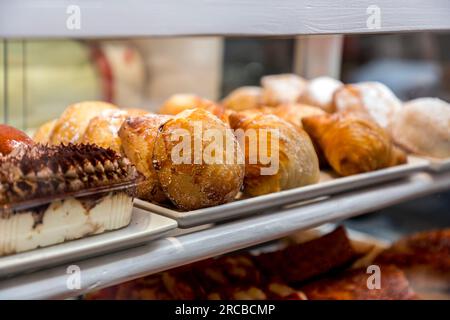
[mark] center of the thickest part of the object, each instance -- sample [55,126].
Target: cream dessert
[49,195]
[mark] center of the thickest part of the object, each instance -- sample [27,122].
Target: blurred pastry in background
[180,102]
[289,160]
[282,88]
[425,258]
[319,93]
[243,98]
[103,129]
[352,285]
[137,136]
[42,134]
[295,112]
[58,193]
[12,138]
[352,144]
[209,174]
[422,127]
[372,99]
[70,127]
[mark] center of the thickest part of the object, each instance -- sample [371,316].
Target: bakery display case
[324,138]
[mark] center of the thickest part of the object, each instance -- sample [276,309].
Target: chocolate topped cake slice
[52,194]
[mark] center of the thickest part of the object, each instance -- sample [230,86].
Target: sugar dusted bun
[73,122]
[11,138]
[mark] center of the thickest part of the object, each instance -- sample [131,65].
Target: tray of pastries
[53,194]
[331,138]
[318,264]
[286,141]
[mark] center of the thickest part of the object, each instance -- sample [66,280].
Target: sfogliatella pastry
[42,134]
[423,127]
[180,102]
[74,120]
[12,138]
[372,99]
[198,160]
[243,98]
[138,135]
[282,88]
[277,155]
[319,93]
[352,144]
[52,194]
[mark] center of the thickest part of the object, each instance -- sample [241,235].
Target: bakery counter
[107,270]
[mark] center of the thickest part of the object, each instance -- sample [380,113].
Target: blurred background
[39,78]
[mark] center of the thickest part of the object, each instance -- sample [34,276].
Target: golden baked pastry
[138,135]
[351,144]
[291,161]
[42,134]
[103,129]
[180,102]
[282,88]
[243,98]
[199,175]
[295,112]
[319,92]
[372,99]
[422,126]
[74,120]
